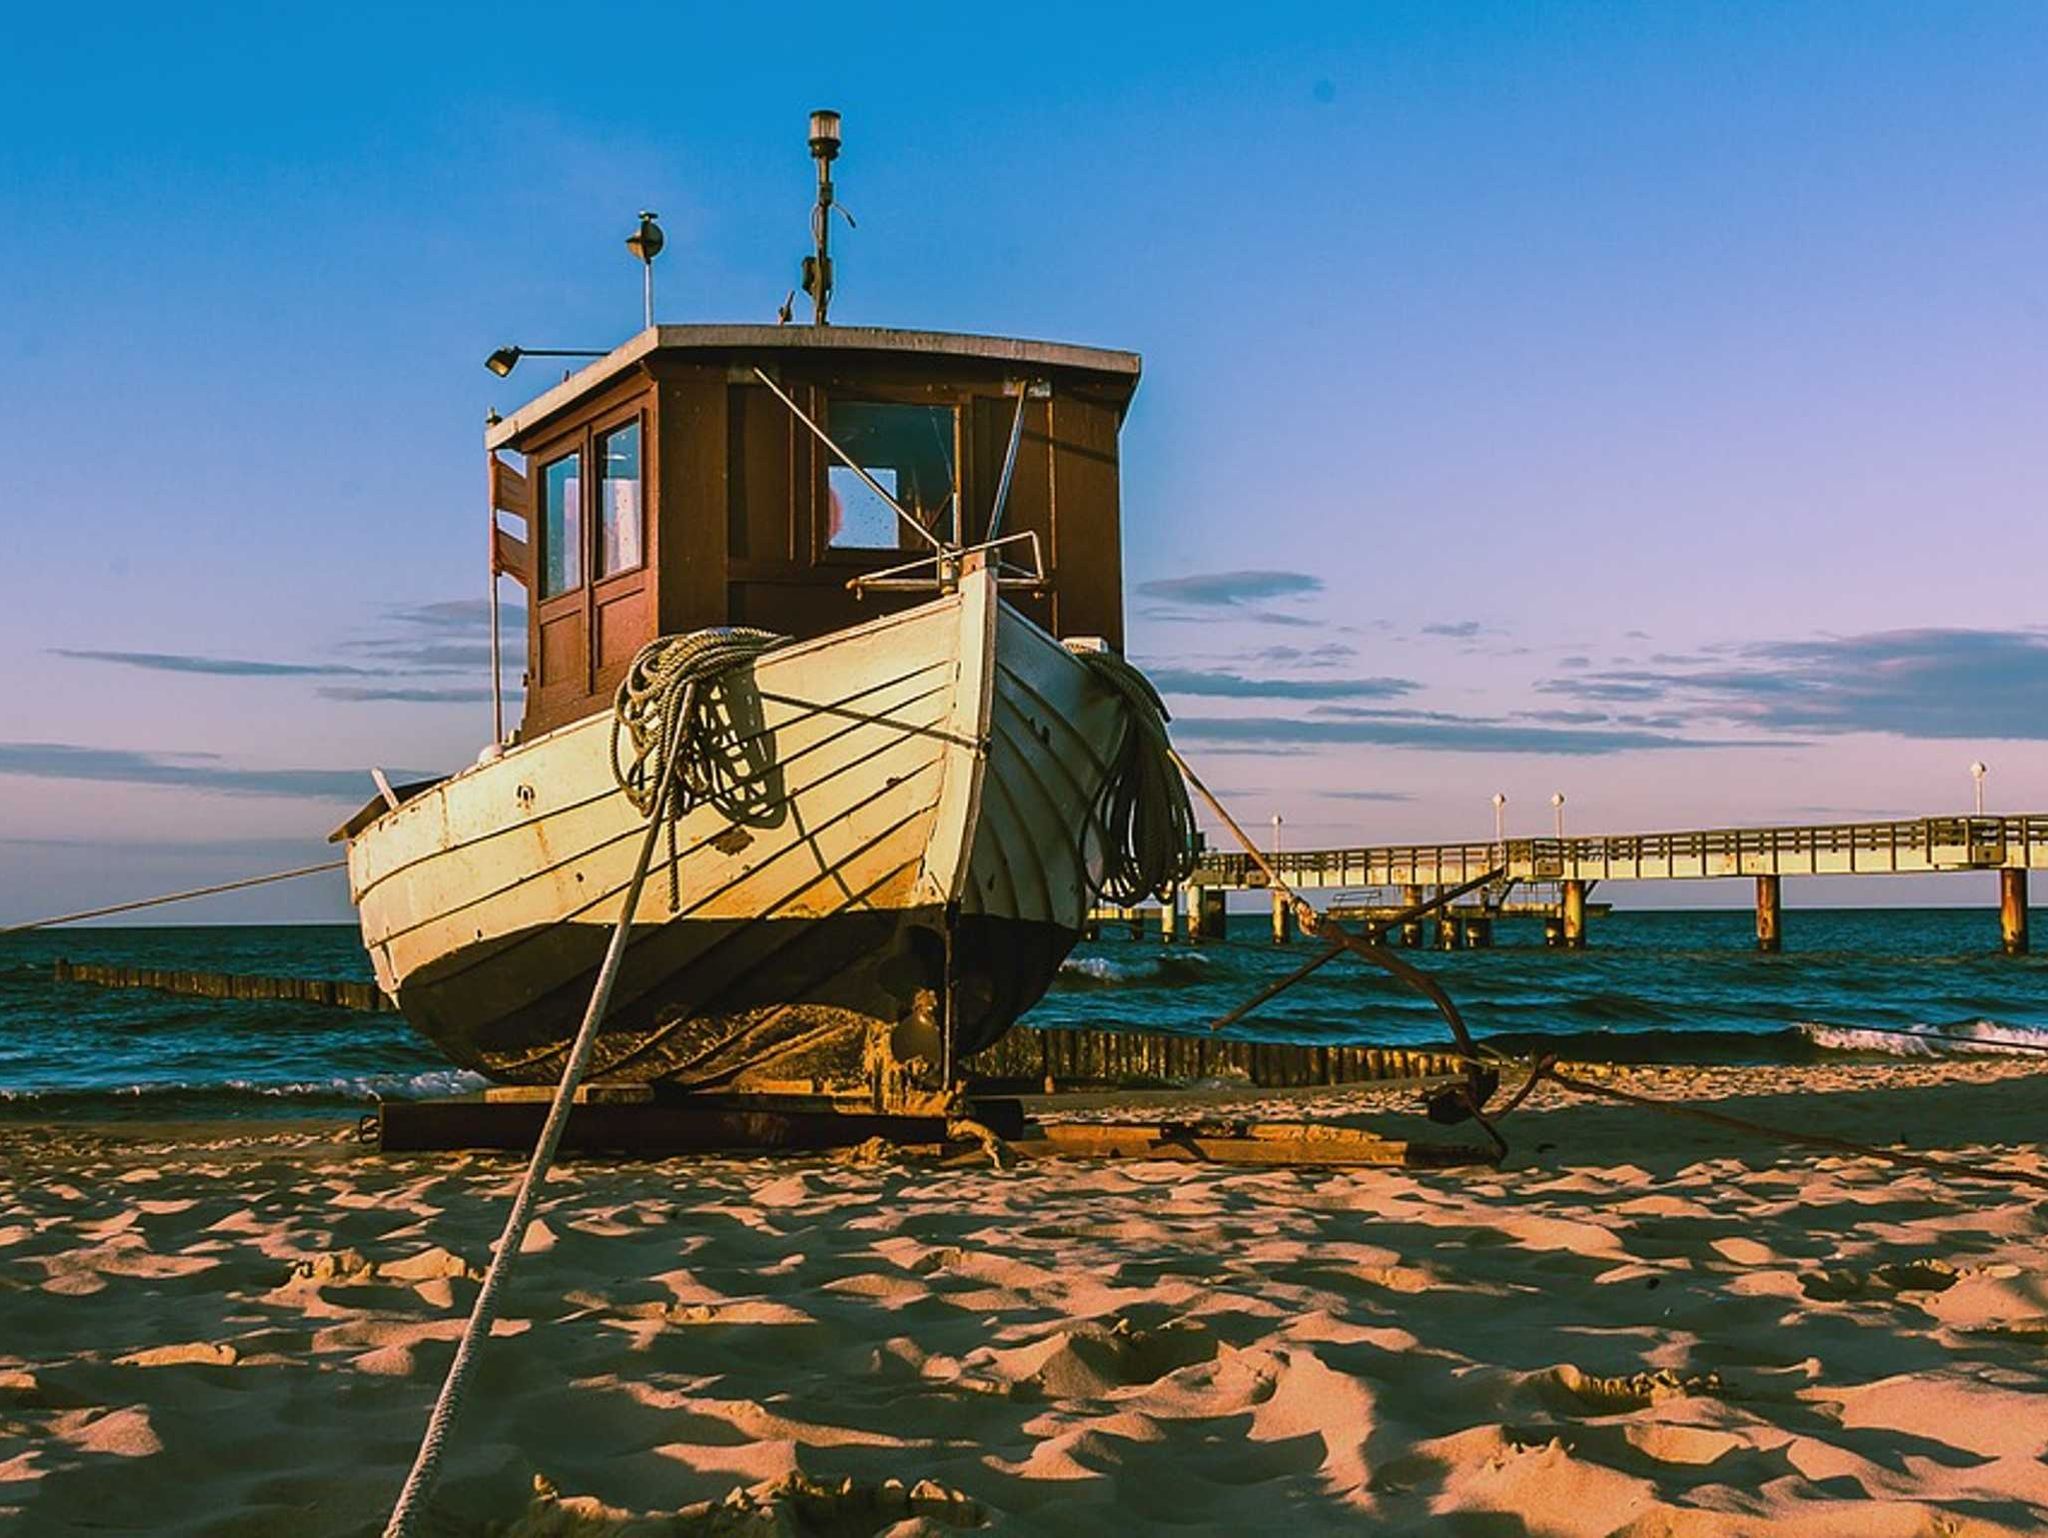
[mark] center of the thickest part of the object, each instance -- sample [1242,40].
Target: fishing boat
[902,550]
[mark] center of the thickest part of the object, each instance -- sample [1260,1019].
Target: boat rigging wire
[847,459]
[174,897]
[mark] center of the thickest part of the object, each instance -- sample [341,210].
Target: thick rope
[1142,811]
[670,770]
[659,709]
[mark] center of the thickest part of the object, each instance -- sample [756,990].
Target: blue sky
[1639,401]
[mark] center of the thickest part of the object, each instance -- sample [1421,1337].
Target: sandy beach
[1638,1326]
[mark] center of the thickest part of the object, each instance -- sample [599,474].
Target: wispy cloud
[1322,655]
[422,694]
[185,771]
[1432,729]
[416,641]
[1927,684]
[1223,684]
[226,667]
[1462,630]
[1232,589]
[1366,795]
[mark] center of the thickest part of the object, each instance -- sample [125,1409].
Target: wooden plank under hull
[655,1125]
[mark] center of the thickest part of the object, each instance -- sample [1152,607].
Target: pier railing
[1908,847]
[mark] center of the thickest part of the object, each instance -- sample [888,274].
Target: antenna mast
[818,268]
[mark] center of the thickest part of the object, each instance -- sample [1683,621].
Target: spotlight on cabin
[646,243]
[506,359]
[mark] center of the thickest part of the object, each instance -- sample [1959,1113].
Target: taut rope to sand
[426,1466]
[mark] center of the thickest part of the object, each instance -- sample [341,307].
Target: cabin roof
[1121,367]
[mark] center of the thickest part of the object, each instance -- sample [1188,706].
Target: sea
[1651,986]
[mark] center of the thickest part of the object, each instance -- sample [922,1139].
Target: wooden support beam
[1169,916]
[2012,911]
[1574,926]
[1283,918]
[1209,913]
[1770,924]
[1411,932]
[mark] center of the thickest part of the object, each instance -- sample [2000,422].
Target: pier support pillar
[1411,932]
[1574,925]
[2012,911]
[1447,927]
[1169,916]
[1283,918]
[1553,931]
[1207,910]
[1479,932]
[1770,921]
[1135,917]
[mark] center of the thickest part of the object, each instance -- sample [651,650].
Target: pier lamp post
[1283,916]
[1500,820]
[1557,806]
[1977,772]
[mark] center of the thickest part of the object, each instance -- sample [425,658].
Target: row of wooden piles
[1025,1052]
[225,985]
[1139,1057]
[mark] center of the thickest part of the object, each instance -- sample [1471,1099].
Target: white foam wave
[356,1087]
[1971,1036]
[1108,971]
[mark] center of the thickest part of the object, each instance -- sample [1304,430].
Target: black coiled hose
[1142,813]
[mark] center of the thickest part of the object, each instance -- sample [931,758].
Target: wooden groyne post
[1154,1057]
[224,985]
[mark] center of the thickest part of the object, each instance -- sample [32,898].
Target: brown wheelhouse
[666,488]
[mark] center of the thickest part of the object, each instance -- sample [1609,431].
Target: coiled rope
[659,709]
[1142,811]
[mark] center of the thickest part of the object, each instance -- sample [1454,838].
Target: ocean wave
[1140,972]
[1970,1036]
[239,1095]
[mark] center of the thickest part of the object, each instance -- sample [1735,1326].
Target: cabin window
[561,525]
[909,451]
[619,504]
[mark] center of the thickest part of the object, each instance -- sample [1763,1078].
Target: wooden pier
[2011,846]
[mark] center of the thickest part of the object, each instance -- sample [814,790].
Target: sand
[1637,1327]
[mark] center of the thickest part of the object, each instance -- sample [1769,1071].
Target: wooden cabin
[665,488]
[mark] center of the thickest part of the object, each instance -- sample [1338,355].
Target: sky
[1639,402]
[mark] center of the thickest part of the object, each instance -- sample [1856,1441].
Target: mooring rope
[673,767]
[426,1466]
[659,708]
[174,897]
[1142,810]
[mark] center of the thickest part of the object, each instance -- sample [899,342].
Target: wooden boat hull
[906,836]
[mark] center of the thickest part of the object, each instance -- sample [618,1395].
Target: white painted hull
[905,786]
